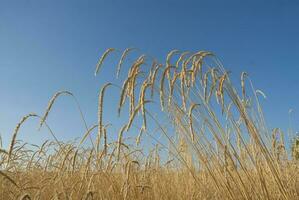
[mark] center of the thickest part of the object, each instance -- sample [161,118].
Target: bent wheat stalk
[125,53]
[100,113]
[14,136]
[51,102]
[99,64]
[193,105]
[9,178]
[153,78]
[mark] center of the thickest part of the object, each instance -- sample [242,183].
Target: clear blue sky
[46,46]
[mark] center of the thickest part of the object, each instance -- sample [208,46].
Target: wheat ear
[14,136]
[221,89]
[243,75]
[169,55]
[153,78]
[100,113]
[144,86]
[99,64]
[123,94]
[123,56]
[172,87]
[162,86]
[51,102]
[261,93]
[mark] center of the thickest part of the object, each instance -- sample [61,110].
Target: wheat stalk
[9,178]
[183,75]
[14,135]
[144,86]
[100,113]
[123,56]
[169,55]
[261,93]
[220,90]
[243,75]
[120,135]
[138,138]
[105,142]
[181,58]
[87,133]
[74,159]
[123,94]
[214,83]
[162,86]
[50,104]
[168,58]
[193,105]
[134,72]
[100,62]
[132,116]
[153,78]
[172,83]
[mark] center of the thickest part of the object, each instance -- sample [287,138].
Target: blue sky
[46,46]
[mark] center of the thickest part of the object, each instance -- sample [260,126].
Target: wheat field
[213,144]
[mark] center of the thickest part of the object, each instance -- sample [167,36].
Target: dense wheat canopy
[209,137]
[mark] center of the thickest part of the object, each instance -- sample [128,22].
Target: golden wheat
[99,64]
[51,102]
[14,135]
[162,86]
[193,105]
[123,56]
[100,113]
[197,153]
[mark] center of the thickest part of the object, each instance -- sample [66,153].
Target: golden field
[215,143]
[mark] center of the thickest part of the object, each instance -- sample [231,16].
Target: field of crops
[213,142]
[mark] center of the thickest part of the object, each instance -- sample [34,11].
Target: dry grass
[205,146]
